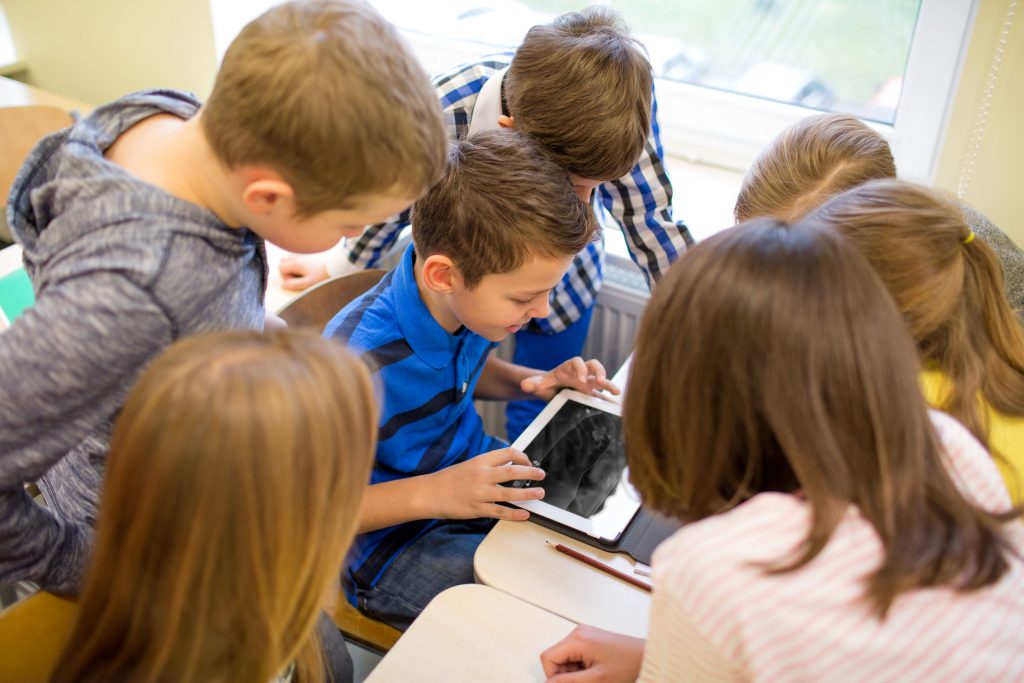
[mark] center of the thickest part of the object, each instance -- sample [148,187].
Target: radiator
[612,329]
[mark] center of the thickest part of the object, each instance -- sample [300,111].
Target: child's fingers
[513,494]
[495,511]
[596,368]
[578,369]
[508,464]
[565,655]
[532,384]
[604,384]
[505,455]
[580,676]
[612,388]
[512,472]
[605,396]
[295,283]
[510,514]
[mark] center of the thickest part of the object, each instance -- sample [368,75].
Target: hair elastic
[969,238]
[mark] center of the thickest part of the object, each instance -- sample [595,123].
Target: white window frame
[728,129]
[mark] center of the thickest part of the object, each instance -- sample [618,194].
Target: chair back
[365,631]
[33,632]
[317,305]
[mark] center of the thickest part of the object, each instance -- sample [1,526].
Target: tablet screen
[581,450]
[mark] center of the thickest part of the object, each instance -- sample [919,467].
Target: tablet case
[641,536]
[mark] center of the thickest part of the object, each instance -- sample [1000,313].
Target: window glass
[836,55]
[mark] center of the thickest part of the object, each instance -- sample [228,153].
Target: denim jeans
[544,352]
[437,560]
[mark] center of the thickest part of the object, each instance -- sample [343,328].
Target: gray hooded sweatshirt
[120,269]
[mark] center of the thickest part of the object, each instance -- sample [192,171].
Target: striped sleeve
[676,649]
[456,90]
[641,203]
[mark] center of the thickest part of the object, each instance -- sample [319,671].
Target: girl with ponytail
[949,286]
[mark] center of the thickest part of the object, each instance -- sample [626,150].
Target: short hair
[583,87]
[815,158]
[231,494]
[326,93]
[771,358]
[501,201]
[948,286]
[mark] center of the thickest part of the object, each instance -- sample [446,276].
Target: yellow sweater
[1005,436]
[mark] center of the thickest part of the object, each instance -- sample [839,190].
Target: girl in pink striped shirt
[839,531]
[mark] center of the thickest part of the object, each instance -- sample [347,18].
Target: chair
[32,634]
[314,308]
[317,305]
[364,631]
[20,129]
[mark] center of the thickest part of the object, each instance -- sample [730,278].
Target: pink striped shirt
[715,617]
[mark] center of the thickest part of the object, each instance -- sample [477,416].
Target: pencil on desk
[597,564]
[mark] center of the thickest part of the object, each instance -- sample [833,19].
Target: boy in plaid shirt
[584,89]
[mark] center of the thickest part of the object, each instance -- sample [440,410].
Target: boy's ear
[439,273]
[506,121]
[264,191]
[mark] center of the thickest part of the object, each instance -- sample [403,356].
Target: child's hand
[471,488]
[587,377]
[302,271]
[590,654]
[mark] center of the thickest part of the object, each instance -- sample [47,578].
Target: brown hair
[232,491]
[810,161]
[950,292]
[814,389]
[326,93]
[502,201]
[583,88]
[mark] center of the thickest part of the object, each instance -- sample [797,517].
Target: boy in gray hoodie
[144,222]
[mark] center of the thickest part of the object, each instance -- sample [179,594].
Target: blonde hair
[810,161]
[583,88]
[232,491]
[815,391]
[501,201]
[947,285]
[326,93]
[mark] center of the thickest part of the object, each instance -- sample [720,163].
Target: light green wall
[997,185]
[98,50]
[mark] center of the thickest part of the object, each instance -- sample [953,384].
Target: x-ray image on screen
[582,452]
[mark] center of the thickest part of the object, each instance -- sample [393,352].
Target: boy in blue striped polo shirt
[490,242]
[582,87]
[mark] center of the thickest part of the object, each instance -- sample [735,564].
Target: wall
[998,178]
[98,50]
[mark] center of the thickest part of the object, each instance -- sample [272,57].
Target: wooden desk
[473,633]
[515,559]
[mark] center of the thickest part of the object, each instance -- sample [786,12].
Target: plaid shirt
[640,203]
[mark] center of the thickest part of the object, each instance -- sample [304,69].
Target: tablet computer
[577,440]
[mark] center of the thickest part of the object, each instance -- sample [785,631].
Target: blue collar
[431,343]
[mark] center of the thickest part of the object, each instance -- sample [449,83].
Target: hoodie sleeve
[66,366]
